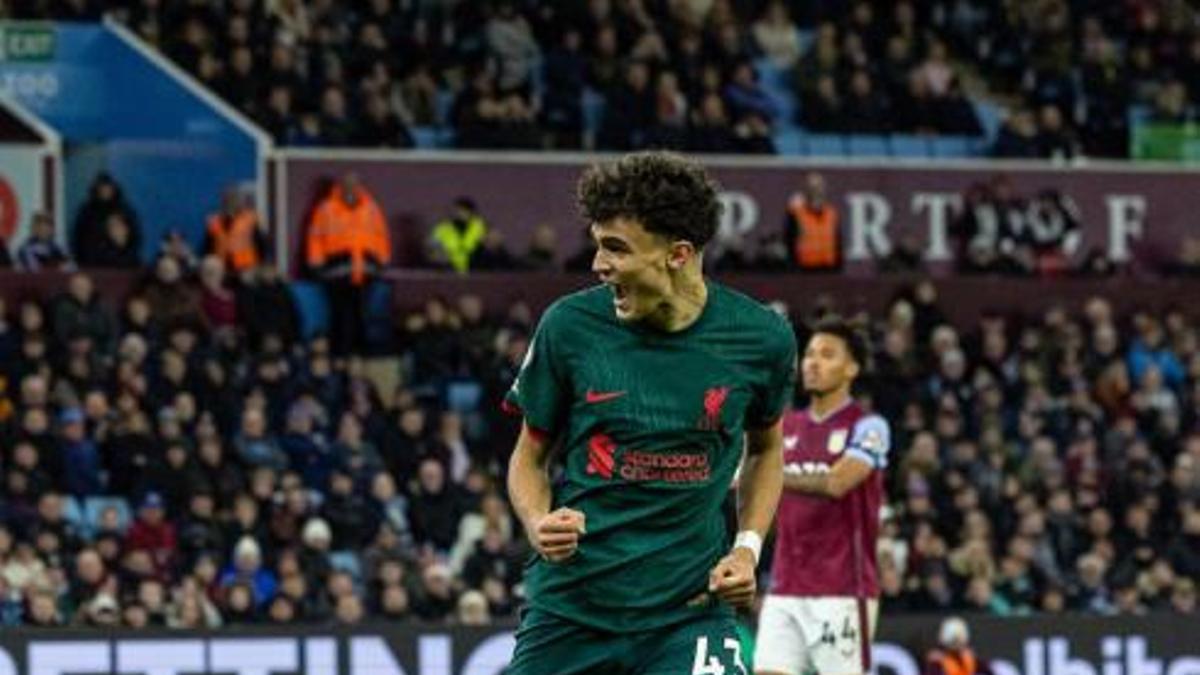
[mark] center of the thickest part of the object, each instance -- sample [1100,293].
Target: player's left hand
[732,579]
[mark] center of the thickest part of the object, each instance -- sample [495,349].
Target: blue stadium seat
[73,514]
[867,145]
[826,145]
[770,75]
[313,307]
[951,147]
[444,105]
[788,141]
[94,507]
[445,137]
[378,324]
[990,117]
[463,396]
[425,138]
[904,145]
[348,562]
[593,110]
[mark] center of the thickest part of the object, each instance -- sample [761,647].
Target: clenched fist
[556,535]
[732,579]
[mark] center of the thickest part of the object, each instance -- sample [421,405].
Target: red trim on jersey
[511,408]
[537,435]
[864,636]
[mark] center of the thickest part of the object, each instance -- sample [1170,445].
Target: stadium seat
[425,138]
[867,145]
[94,508]
[826,145]
[313,307]
[348,562]
[378,311]
[904,145]
[770,75]
[73,514]
[444,107]
[951,147]
[463,396]
[593,110]
[788,141]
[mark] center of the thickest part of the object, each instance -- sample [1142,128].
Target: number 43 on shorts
[704,664]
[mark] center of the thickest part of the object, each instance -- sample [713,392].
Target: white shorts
[797,636]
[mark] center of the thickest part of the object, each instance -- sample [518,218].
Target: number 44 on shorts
[711,665]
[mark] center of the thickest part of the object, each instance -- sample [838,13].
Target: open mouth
[620,297]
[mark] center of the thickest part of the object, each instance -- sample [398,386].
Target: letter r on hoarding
[870,213]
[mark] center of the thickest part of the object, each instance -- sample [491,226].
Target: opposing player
[652,384]
[820,612]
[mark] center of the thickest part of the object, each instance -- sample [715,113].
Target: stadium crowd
[687,74]
[187,458]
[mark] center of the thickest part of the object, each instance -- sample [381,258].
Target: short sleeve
[772,398]
[871,441]
[540,391]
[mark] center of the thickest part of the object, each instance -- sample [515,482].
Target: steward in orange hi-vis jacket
[348,235]
[348,246]
[235,234]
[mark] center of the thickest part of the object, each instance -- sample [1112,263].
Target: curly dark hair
[851,334]
[666,193]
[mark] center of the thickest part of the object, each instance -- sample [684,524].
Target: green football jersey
[652,425]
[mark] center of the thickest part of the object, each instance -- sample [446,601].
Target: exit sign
[26,42]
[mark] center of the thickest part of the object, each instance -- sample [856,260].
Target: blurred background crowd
[1038,78]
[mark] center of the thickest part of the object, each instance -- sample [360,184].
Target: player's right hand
[556,535]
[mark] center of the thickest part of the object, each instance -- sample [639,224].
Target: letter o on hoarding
[491,656]
[890,659]
[10,210]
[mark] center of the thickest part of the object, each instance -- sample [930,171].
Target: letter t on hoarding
[938,205]
[69,656]
[1126,220]
[160,657]
[254,656]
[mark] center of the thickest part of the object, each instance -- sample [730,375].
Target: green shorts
[550,645]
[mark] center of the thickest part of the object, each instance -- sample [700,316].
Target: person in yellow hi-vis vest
[455,240]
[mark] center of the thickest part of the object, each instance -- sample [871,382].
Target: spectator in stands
[79,312]
[247,574]
[173,301]
[543,248]
[216,298]
[562,103]
[348,246]
[266,307]
[455,240]
[776,36]
[153,533]
[510,41]
[234,234]
[40,251]
[1018,137]
[117,248]
[92,223]
[812,228]
[630,112]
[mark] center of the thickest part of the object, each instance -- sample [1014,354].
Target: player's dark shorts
[550,645]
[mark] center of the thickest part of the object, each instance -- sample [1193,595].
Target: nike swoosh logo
[601,396]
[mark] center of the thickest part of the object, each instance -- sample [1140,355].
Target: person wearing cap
[151,531]
[953,655]
[80,457]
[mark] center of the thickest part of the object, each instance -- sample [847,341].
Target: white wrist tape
[751,540]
